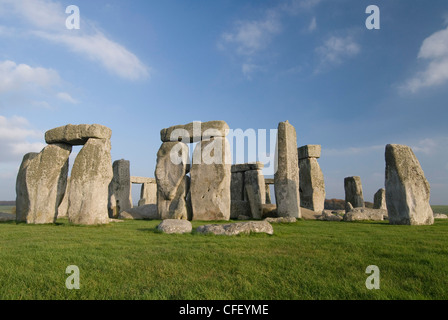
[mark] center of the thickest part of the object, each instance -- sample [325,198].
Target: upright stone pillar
[148,193]
[312,185]
[89,184]
[210,180]
[353,192]
[286,177]
[407,190]
[120,198]
[256,192]
[379,199]
[41,184]
[63,207]
[171,170]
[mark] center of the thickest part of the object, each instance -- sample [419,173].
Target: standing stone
[407,190]
[120,198]
[379,199]
[210,180]
[89,184]
[237,186]
[312,184]
[256,192]
[171,180]
[353,192]
[286,178]
[41,184]
[148,193]
[267,194]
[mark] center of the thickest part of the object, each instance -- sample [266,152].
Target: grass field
[303,260]
[6,209]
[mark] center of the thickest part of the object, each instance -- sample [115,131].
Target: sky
[139,66]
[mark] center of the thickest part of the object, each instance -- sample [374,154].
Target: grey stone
[233,229]
[120,198]
[379,199]
[237,186]
[196,131]
[312,185]
[63,207]
[148,194]
[239,208]
[247,166]
[145,212]
[281,220]
[286,177]
[269,181]
[440,216]
[241,217]
[210,180]
[267,194]
[309,151]
[41,184]
[89,184]
[407,190]
[256,192]
[353,192]
[77,134]
[360,214]
[269,211]
[171,226]
[171,180]
[142,180]
[326,216]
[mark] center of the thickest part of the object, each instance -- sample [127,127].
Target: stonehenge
[312,185]
[286,177]
[207,187]
[407,190]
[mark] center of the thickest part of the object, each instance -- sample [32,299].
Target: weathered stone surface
[326,216]
[41,184]
[5,217]
[407,190]
[196,131]
[312,185]
[171,180]
[142,180]
[379,199]
[145,212]
[256,192]
[440,216]
[309,151]
[269,211]
[247,166]
[269,181]
[353,192]
[308,214]
[77,134]
[360,214]
[233,229]
[239,208]
[210,180]
[89,184]
[281,220]
[267,194]
[286,178]
[120,198]
[171,226]
[148,194]
[237,186]
[241,217]
[63,207]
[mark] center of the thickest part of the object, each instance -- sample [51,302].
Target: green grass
[304,260]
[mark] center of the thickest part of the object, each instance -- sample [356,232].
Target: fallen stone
[145,212]
[361,214]
[77,134]
[407,190]
[440,216]
[281,220]
[171,226]
[195,131]
[286,177]
[326,216]
[89,184]
[233,229]
[41,184]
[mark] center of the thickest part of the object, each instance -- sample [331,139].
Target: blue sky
[140,66]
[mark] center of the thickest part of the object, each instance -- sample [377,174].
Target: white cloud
[434,49]
[64,96]
[14,77]
[427,146]
[335,51]
[47,19]
[17,139]
[248,69]
[313,25]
